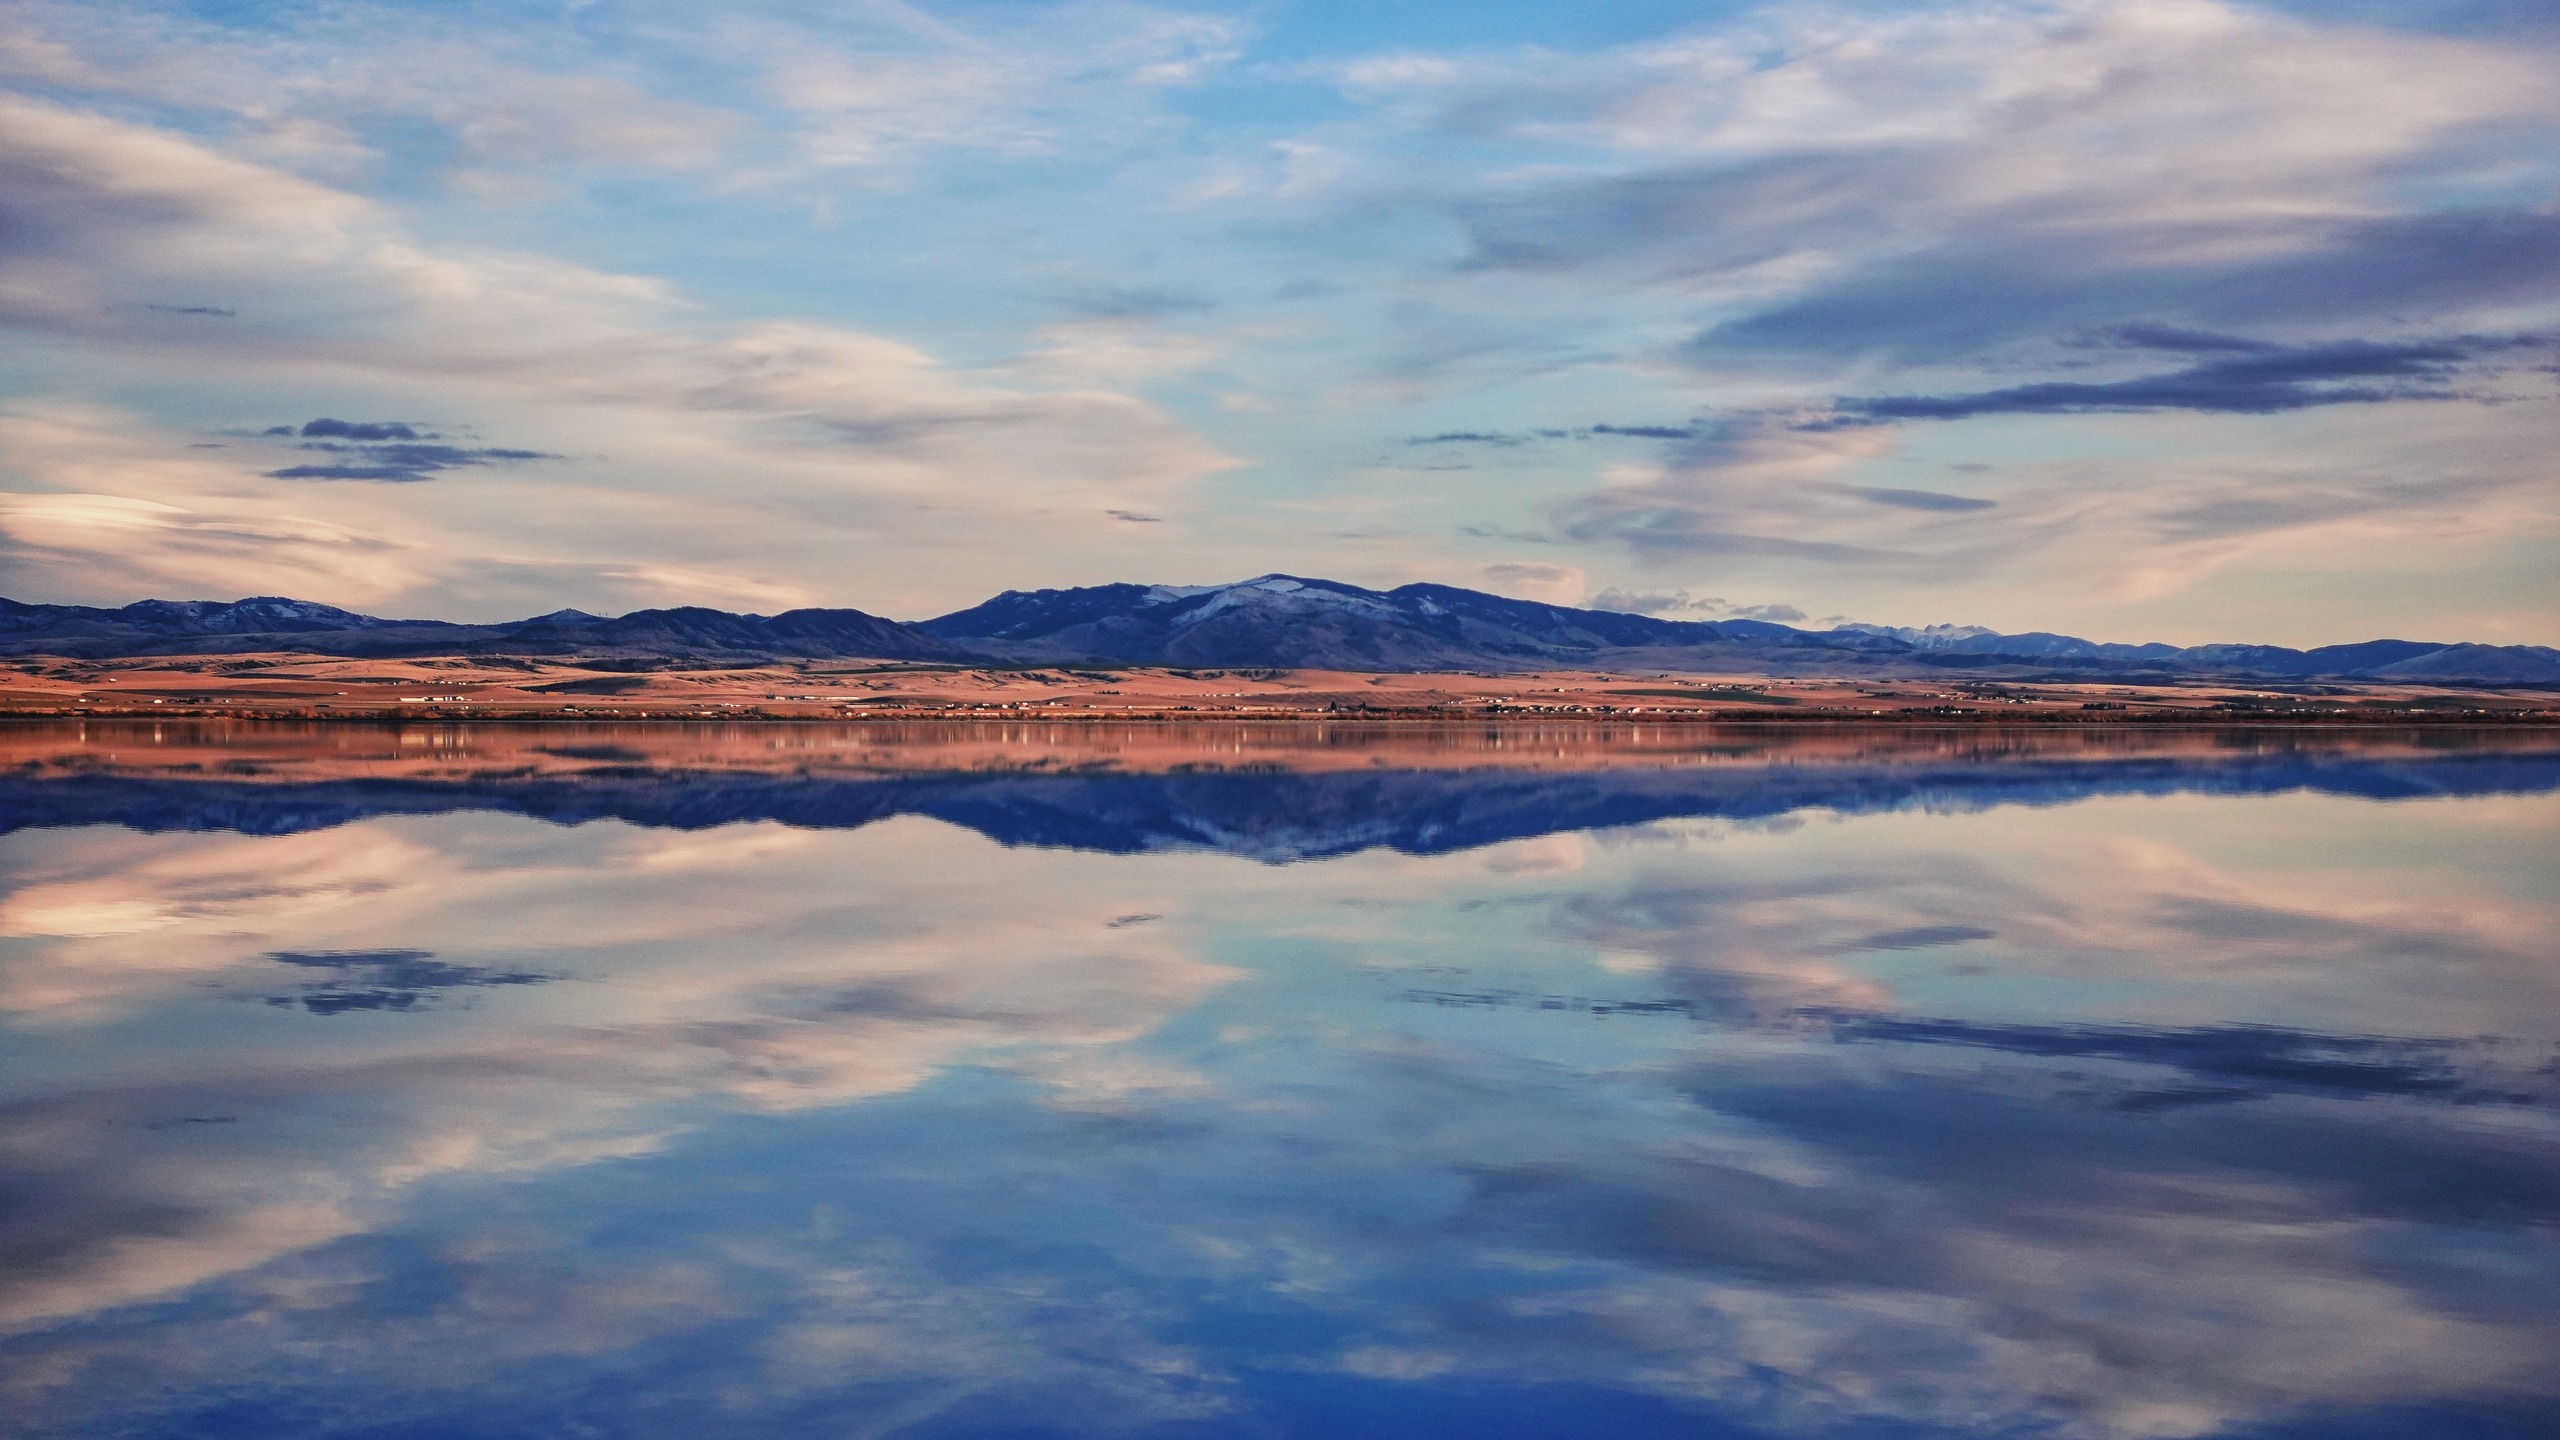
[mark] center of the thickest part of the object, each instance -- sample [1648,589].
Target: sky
[2172,320]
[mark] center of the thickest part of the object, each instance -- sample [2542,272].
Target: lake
[1259,1080]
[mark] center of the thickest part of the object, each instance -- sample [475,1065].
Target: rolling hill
[1271,621]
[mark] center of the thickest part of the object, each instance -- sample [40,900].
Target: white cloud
[1536,580]
[97,534]
[2086,541]
[1679,604]
[764,94]
[1810,140]
[758,455]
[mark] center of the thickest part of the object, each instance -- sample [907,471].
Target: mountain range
[1272,621]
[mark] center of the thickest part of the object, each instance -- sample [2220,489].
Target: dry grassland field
[308,752]
[288,686]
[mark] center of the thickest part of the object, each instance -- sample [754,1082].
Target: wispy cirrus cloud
[903,84]
[750,96]
[318,98]
[73,542]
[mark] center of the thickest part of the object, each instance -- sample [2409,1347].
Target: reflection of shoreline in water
[1273,816]
[1066,789]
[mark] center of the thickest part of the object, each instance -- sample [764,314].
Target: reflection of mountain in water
[1271,816]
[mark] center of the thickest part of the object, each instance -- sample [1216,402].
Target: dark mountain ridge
[1272,621]
[1287,620]
[206,627]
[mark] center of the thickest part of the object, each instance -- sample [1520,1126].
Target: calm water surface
[1253,1082]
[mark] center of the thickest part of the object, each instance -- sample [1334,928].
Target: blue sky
[2140,319]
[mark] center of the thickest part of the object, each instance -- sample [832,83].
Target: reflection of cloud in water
[1898,1121]
[2232,1062]
[385,979]
[845,997]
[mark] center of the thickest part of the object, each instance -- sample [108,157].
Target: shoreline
[506,690]
[234,749]
[1913,720]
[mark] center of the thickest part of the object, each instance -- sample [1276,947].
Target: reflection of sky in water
[2140,1115]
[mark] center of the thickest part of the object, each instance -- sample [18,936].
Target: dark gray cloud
[1957,301]
[1649,432]
[1586,432]
[436,456]
[389,474]
[214,311]
[325,428]
[2246,377]
[1924,937]
[1138,302]
[1920,499]
[387,451]
[1468,437]
[2193,342]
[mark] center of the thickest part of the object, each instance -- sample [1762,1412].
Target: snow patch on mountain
[1926,637]
[1283,593]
